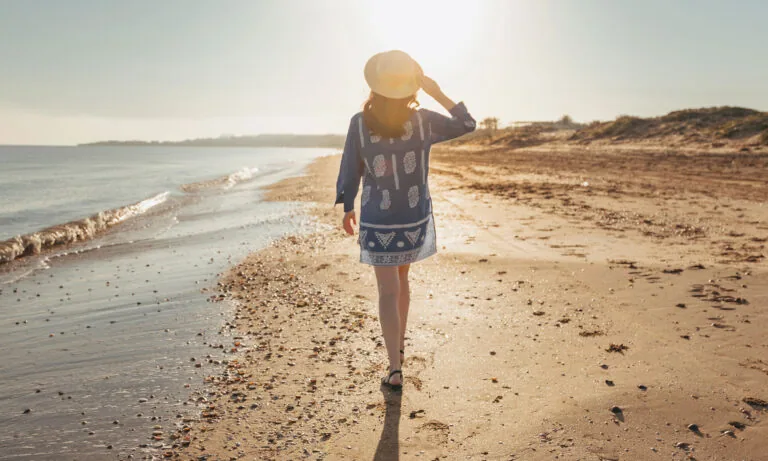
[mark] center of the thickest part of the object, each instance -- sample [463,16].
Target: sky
[76,71]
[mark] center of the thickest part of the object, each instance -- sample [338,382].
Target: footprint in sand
[436,432]
[415,381]
[415,365]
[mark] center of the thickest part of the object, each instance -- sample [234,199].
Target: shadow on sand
[388,448]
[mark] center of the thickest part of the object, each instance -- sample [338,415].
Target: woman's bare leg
[388,281]
[403,302]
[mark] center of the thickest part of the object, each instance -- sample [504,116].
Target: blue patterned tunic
[396,223]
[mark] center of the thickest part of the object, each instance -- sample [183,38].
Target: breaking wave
[223,182]
[74,231]
[86,229]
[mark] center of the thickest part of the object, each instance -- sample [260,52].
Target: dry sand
[586,304]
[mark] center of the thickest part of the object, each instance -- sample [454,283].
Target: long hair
[386,117]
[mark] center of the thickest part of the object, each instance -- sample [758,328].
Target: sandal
[394,387]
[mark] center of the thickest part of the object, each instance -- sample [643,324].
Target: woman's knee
[402,275]
[389,290]
[388,282]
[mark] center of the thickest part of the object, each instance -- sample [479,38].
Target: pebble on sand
[620,348]
[755,402]
[737,424]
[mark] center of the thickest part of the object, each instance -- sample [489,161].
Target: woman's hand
[430,87]
[433,89]
[349,219]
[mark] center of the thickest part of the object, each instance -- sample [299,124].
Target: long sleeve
[351,170]
[443,128]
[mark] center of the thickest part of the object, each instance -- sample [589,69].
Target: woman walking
[388,147]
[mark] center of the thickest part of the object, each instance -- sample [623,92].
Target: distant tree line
[262,140]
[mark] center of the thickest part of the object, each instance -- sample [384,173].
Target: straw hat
[393,74]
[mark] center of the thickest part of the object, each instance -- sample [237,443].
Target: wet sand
[102,342]
[585,304]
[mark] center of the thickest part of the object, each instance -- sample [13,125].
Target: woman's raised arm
[443,128]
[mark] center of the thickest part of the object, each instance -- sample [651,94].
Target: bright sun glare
[432,31]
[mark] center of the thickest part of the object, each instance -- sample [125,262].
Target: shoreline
[103,345]
[536,284]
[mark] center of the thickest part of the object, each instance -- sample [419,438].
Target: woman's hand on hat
[430,87]
[433,89]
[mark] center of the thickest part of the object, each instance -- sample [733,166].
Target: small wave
[74,231]
[20,272]
[224,182]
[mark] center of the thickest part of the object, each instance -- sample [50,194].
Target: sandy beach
[581,188]
[590,303]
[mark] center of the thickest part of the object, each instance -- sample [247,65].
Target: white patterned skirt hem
[398,258]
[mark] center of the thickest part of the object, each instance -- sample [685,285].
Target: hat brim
[404,88]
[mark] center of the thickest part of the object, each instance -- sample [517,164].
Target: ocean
[109,259]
